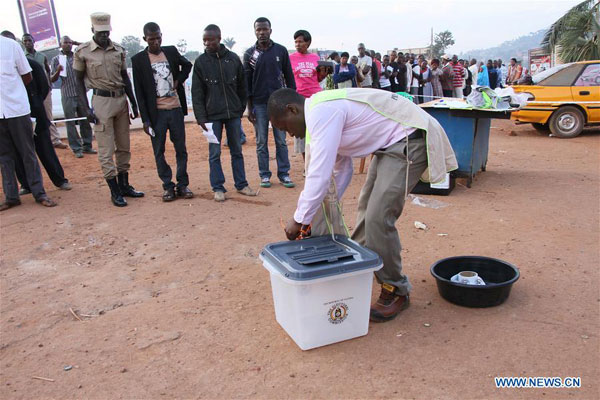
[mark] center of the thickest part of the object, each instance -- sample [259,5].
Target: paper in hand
[62,60]
[209,134]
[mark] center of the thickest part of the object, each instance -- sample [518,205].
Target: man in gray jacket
[219,97]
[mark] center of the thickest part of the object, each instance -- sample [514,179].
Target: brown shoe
[389,304]
[60,145]
[247,191]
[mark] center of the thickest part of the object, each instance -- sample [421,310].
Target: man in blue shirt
[267,67]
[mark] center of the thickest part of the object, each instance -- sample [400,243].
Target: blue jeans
[262,150]
[233,128]
[243,133]
[173,121]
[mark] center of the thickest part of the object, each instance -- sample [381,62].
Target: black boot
[115,193]
[126,188]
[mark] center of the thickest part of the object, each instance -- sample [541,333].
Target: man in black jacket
[268,68]
[219,97]
[16,133]
[158,76]
[37,91]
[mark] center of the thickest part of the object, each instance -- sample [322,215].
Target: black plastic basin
[498,275]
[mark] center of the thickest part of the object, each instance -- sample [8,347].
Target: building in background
[414,50]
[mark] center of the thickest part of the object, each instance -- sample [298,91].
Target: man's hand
[251,117]
[175,83]
[60,68]
[292,229]
[134,111]
[91,117]
[147,128]
[203,126]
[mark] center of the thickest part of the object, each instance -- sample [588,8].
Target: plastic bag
[516,100]
[329,218]
[485,98]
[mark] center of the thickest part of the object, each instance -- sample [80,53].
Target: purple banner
[39,19]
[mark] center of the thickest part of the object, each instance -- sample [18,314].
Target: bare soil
[171,301]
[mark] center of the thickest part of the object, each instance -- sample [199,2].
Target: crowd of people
[423,79]
[223,88]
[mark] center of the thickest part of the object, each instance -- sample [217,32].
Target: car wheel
[540,127]
[566,122]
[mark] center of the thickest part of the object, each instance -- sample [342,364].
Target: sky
[339,25]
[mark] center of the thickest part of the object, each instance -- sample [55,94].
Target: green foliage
[132,46]
[576,35]
[229,42]
[441,42]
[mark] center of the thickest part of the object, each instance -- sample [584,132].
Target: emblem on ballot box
[338,313]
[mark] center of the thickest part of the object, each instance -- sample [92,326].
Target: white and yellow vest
[440,156]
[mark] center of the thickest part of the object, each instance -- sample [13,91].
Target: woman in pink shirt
[304,66]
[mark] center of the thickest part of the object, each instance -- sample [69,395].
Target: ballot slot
[320,255]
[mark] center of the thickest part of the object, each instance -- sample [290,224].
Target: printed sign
[39,19]
[539,61]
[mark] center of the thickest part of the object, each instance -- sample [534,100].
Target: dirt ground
[173,301]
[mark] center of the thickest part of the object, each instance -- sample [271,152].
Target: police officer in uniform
[100,63]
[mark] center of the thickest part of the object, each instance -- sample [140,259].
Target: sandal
[47,202]
[9,204]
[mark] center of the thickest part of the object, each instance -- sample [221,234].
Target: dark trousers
[16,140]
[73,109]
[173,121]
[448,92]
[467,91]
[47,155]
[414,91]
[233,128]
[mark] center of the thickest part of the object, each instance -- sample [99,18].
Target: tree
[576,35]
[192,55]
[442,41]
[182,46]
[132,46]
[229,42]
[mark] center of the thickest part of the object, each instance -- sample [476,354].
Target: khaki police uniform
[103,68]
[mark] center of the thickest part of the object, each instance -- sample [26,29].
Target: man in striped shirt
[70,101]
[457,81]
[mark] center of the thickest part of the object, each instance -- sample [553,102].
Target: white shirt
[13,96]
[474,71]
[340,130]
[409,74]
[504,72]
[383,81]
[362,62]
[415,80]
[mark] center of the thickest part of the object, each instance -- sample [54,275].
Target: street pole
[431,46]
